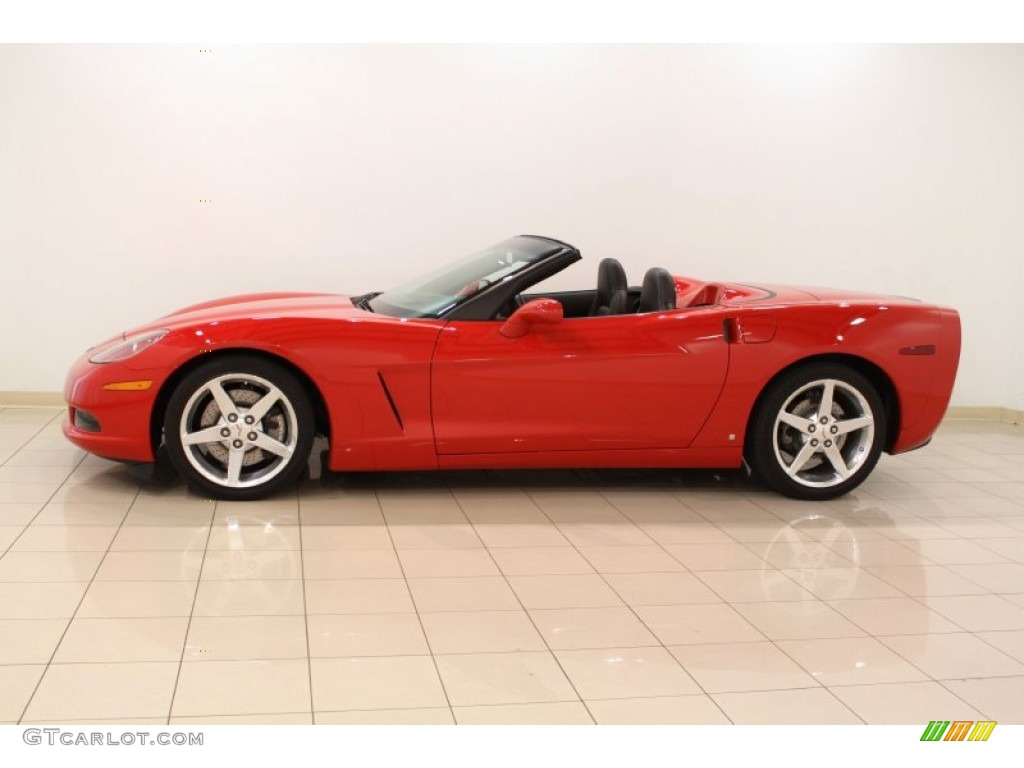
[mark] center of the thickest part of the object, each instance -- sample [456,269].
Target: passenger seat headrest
[659,291]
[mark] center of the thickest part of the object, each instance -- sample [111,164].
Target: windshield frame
[410,301]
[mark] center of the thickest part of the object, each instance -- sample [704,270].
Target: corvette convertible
[477,366]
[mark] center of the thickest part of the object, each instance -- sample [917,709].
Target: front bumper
[123,418]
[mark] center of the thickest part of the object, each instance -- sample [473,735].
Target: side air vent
[391,400]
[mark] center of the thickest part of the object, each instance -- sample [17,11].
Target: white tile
[1009,642]
[280,510]
[1000,578]
[19,513]
[345,537]
[695,624]
[154,538]
[893,616]
[119,640]
[959,655]
[418,716]
[345,508]
[229,565]
[540,561]
[850,661]
[481,632]
[18,682]
[753,586]
[955,552]
[605,534]
[504,678]
[355,564]
[138,599]
[249,597]
[48,566]
[904,703]
[978,613]
[62,514]
[630,559]
[56,600]
[571,628]
[151,566]
[570,591]
[927,580]
[467,593]
[661,588]
[8,535]
[843,583]
[619,673]
[730,667]
[798,620]
[999,698]
[29,641]
[253,537]
[245,638]
[297,718]
[242,687]
[520,535]
[384,682]
[359,596]
[552,713]
[432,563]
[663,710]
[715,557]
[365,634]
[80,691]
[442,536]
[807,706]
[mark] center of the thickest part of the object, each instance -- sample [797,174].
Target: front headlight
[129,347]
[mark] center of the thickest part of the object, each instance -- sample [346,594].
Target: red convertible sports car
[476,366]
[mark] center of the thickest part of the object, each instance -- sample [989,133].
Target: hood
[265,305]
[270,303]
[328,306]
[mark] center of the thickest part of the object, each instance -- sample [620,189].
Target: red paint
[532,313]
[672,388]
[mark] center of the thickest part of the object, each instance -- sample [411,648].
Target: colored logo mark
[958,730]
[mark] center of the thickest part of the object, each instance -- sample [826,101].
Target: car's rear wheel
[239,427]
[818,432]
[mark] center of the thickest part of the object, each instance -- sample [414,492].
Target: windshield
[433,294]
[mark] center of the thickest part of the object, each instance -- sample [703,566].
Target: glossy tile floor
[512,597]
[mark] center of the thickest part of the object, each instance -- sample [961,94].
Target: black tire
[818,448]
[264,456]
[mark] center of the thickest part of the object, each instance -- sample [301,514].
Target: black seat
[611,279]
[659,291]
[619,305]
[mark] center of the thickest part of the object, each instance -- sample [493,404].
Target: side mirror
[536,312]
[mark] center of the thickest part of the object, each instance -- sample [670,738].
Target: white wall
[896,169]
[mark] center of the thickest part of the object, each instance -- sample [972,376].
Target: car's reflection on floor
[516,596]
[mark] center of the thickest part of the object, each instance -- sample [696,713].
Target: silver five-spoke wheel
[817,432]
[239,427]
[238,430]
[823,433]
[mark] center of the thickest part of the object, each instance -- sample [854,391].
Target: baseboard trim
[985,413]
[29,399]
[955,412]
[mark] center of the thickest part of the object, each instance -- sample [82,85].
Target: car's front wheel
[239,427]
[818,432]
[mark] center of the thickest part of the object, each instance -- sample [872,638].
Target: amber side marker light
[128,386]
